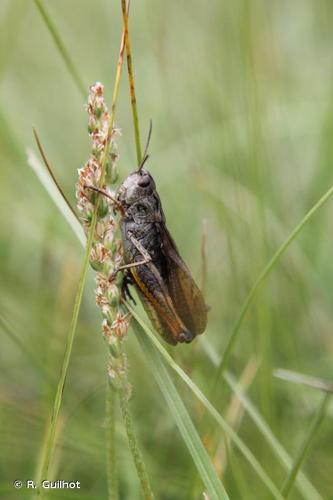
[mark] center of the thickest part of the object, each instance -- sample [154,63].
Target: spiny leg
[143,252]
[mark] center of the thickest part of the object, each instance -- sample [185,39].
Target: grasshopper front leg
[142,251]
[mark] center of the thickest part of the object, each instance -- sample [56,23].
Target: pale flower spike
[107,251]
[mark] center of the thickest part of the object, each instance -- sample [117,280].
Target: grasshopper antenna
[107,195]
[145,155]
[50,171]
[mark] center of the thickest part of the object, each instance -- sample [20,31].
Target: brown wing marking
[185,294]
[160,326]
[158,304]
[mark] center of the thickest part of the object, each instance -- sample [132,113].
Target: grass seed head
[107,251]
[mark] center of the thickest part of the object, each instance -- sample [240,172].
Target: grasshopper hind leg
[125,291]
[159,306]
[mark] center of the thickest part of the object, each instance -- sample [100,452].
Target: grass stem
[49,442]
[111,469]
[62,49]
[204,466]
[132,440]
[208,405]
[137,457]
[131,84]
[51,430]
[291,478]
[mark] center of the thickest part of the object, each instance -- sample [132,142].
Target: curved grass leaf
[261,278]
[61,48]
[215,489]
[303,484]
[300,378]
[215,414]
[54,193]
[290,480]
[111,470]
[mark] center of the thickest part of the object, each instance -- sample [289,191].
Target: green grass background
[240,94]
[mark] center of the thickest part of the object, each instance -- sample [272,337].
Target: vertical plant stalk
[49,442]
[48,445]
[111,469]
[131,84]
[291,478]
[132,440]
[106,253]
[62,49]
[123,388]
[213,486]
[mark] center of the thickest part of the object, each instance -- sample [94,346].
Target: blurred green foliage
[240,94]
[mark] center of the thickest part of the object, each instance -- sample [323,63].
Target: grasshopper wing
[159,324]
[186,295]
[158,304]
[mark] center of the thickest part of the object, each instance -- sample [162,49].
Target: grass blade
[132,441]
[262,276]
[303,484]
[111,465]
[185,425]
[131,83]
[300,378]
[215,414]
[289,482]
[62,49]
[51,429]
[55,194]
[50,171]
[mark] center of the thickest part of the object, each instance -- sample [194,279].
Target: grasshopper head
[138,196]
[135,187]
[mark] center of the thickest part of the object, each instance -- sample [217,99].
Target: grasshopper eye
[144,181]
